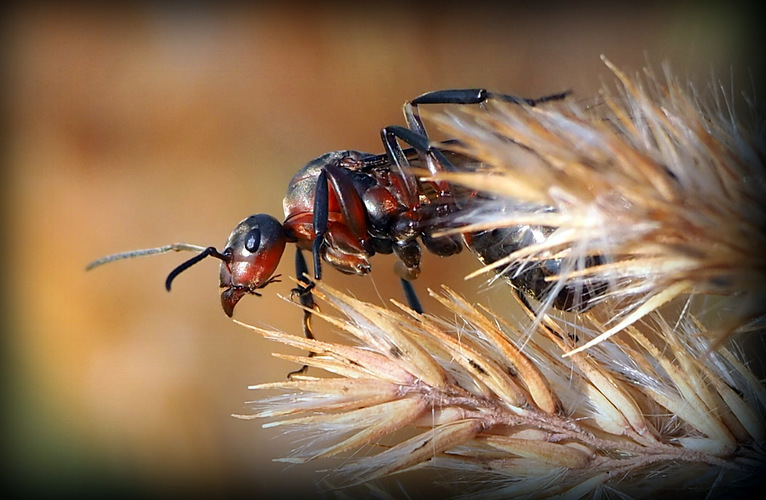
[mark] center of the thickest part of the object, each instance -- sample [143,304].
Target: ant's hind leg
[465,96]
[526,304]
[477,96]
[411,295]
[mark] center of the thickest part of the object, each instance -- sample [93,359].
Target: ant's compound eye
[253,240]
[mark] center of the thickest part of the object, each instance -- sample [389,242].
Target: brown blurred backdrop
[136,127]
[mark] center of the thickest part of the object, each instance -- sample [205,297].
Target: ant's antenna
[173,247]
[207,252]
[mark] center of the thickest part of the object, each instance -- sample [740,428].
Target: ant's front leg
[303,291]
[321,214]
[306,298]
[354,230]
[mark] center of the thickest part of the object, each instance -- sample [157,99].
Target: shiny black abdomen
[533,277]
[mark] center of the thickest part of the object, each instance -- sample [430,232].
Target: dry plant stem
[379,391]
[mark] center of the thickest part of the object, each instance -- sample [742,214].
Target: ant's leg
[391,135]
[397,159]
[408,269]
[351,206]
[525,301]
[418,137]
[412,296]
[321,213]
[477,96]
[465,96]
[422,145]
[528,306]
[418,141]
[303,290]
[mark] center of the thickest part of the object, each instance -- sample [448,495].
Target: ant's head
[249,259]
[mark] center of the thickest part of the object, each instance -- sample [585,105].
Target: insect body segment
[535,279]
[251,256]
[332,215]
[346,206]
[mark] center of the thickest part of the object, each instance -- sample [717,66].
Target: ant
[346,206]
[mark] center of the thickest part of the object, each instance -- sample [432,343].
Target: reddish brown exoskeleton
[346,206]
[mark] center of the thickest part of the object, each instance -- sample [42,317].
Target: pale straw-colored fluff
[666,185]
[666,189]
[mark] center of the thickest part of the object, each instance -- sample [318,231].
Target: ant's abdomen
[535,278]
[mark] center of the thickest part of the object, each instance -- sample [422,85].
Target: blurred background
[134,127]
